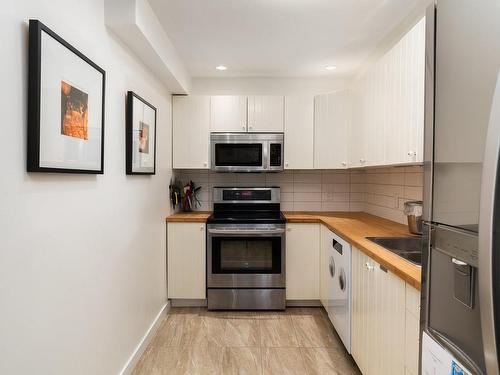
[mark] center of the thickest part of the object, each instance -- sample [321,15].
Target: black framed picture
[65,106]
[140,135]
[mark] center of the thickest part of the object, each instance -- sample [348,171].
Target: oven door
[246,256]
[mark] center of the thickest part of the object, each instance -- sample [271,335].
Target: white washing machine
[339,301]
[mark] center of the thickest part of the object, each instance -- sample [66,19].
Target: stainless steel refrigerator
[460,308]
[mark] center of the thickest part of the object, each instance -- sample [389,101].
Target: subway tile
[413,192]
[222,177]
[287,206]
[382,200]
[251,178]
[391,190]
[307,206]
[356,206]
[285,187]
[279,178]
[286,197]
[414,168]
[338,188]
[385,178]
[414,179]
[357,197]
[307,177]
[306,188]
[358,188]
[306,197]
[358,178]
[335,178]
[335,206]
[388,213]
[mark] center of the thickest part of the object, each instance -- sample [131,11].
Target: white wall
[82,257]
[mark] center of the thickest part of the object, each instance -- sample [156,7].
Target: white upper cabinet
[332,116]
[405,98]
[299,132]
[191,132]
[266,114]
[228,113]
[389,106]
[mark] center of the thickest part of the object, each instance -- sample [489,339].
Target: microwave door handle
[486,241]
[265,157]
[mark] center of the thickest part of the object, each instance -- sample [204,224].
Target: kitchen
[309,187]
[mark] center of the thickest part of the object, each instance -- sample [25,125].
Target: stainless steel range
[246,250]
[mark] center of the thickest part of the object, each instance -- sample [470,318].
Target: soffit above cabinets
[286,38]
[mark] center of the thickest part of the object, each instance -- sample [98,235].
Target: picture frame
[66,106]
[140,136]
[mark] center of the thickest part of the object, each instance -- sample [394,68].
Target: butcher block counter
[351,226]
[189,217]
[354,227]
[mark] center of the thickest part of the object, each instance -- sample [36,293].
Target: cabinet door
[405,97]
[266,114]
[378,317]
[228,113]
[191,132]
[363,303]
[332,115]
[302,261]
[391,322]
[412,330]
[186,260]
[299,132]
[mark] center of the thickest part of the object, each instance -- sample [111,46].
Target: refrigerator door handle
[486,222]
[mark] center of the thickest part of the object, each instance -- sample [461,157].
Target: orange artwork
[74,112]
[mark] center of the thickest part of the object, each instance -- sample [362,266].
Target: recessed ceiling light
[330,67]
[221,67]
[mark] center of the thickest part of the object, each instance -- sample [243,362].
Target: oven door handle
[246,231]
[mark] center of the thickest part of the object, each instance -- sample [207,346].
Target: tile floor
[197,341]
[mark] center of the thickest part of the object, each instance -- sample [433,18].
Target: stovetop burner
[246,205]
[247,217]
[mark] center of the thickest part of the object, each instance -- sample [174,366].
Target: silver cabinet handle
[458,262]
[369,267]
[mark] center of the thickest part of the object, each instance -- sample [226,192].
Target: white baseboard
[146,339]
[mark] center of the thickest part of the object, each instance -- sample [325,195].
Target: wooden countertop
[189,217]
[352,227]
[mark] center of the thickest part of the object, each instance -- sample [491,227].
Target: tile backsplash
[379,191]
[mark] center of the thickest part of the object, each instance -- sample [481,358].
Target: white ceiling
[285,38]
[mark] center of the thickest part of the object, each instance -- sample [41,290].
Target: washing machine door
[339,304]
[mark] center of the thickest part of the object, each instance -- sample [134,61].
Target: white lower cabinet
[302,261]
[412,330]
[378,317]
[186,260]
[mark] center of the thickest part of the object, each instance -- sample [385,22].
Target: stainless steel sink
[409,248]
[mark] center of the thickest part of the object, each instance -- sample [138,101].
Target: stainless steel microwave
[246,152]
